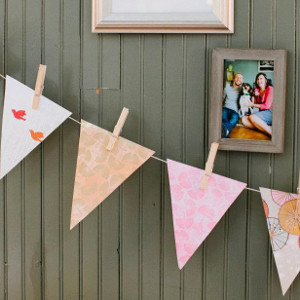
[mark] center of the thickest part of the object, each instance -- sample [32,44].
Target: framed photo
[266,66]
[162,16]
[247,104]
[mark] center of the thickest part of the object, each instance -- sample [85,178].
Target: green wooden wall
[125,248]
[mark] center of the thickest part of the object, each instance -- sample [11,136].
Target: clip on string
[118,128]
[209,165]
[39,86]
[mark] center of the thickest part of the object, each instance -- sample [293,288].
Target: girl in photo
[263,100]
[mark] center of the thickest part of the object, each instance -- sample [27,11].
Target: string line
[157,158]
[164,161]
[253,190]
[75,120]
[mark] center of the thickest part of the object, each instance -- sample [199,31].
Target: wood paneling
[125,248]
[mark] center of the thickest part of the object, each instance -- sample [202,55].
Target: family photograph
[247,99]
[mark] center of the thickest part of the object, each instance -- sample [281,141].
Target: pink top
[266,100]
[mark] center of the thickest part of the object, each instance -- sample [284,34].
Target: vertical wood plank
[32,176]
[215,245]
[296,126]
[130,205]
[259,252]
[194,141]
[2,40]
[111,71]
[32,251]
[296,157]
[151,205]
[286,41]
[173,84]
[71,70]
[90,225]
[3,277]
[51,216]
[91,256]
[282,40]
[52,196]
[2,183]
[90,50]
[110,246]
[237,215]
[109,109]
[297,101]
[14,235]
[15,196]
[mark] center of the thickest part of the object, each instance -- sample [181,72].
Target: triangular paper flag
[196,211]
[24,128]
[99,171]
[283,219]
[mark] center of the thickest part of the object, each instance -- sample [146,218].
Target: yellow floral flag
[282,212]
[99,171]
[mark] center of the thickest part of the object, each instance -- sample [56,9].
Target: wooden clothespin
[209,165]
[118,129]
[39,86]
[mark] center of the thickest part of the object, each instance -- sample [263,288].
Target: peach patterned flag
[197,211]
[99,171]
[283,219]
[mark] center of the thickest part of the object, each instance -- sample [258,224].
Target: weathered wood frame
[276,145]
[222,9]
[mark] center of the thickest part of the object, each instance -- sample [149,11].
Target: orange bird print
[19,114]
[37,136]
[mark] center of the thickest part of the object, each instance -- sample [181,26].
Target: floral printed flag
[196,211]
[283,221]
[99,171]
[24,128]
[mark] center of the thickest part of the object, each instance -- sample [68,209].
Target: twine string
[75,120]
[253,190]
[164,161]
[157,158]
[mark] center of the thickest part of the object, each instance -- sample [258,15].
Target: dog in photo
[245,100]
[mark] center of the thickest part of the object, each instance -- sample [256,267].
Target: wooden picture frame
[218,127]
[216,17]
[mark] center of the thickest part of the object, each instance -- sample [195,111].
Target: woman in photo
[263,100]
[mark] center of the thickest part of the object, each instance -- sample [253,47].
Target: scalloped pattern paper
[99,172]
[196,211]
[24,128]
[283,225]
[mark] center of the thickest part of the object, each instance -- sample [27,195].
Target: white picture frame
[163,16]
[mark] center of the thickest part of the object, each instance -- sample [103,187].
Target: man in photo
[230,112]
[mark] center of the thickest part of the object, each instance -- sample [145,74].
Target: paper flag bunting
[196,211]
[99,171]
[24,128]
[283,218]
